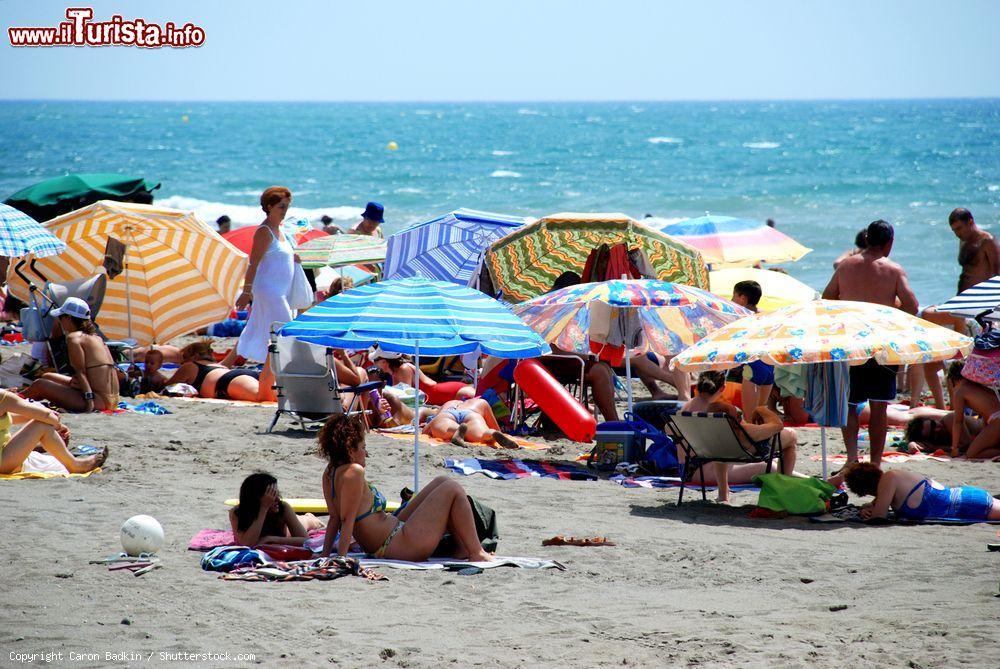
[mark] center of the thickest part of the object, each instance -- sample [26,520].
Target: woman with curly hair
[357,508]
[916,497]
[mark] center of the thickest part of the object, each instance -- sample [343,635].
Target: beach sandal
[560,540]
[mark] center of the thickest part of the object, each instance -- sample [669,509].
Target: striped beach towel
[519,469]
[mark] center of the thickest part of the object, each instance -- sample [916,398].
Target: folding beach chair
[305,378]
[717,437]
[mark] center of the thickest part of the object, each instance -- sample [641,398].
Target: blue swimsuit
[962,503]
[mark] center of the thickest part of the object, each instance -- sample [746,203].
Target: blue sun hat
[374,212]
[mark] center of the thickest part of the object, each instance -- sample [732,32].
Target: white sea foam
[505,173]
[659,221]
[251,214]
[408,189]
[524,111]
[498,152]
[665,140]
[761,145]
[993,188]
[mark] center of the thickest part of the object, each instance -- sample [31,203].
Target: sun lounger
[717,437]
[305,378]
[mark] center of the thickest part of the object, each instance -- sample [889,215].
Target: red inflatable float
[572,418]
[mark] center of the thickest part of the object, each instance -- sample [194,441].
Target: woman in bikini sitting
[41,427]
[399,367]
[762,425]
[94,384]
[916,497]
[262,517]
[981,400]
[357,508]
[213,380]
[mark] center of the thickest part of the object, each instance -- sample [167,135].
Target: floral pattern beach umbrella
[669,316]
[825,331]
[526,263]
[339,250]
[725,241]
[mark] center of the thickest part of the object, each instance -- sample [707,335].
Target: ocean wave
[524,111]
[659,221]
[243,214]
[761,145]
[408,189]
[665,140]
[505,173]
[993,188]
[498,152]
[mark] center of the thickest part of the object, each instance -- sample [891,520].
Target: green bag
[793,494]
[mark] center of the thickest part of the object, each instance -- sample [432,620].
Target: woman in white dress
[268,278]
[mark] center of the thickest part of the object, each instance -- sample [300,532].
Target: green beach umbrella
[61,195]
[525,263]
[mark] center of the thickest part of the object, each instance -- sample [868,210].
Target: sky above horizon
[432,50]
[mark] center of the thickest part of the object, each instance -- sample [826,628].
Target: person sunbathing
[41,427]
[457,421]
[930,431]
[401,370]
[763,425]
[94,384]
[916,497]
[357,508]
[213,380]
[262,517]
[982,401]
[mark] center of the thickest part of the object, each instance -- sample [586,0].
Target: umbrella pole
[628,379]
[416,419]
[822,442]
[128,310]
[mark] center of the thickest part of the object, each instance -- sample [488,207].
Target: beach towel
[670,482]
[229,402]
[319,569]
[208,539]
[827,388]
[148,407]
[518,469]
[889,456]
[451,564]
[43,466]
[852,514]
[405,433]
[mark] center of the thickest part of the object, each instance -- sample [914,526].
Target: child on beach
[262,517]
[762,425]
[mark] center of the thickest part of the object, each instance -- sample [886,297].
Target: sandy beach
[699,585]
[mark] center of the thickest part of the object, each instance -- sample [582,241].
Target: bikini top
[378,501]
[203,371]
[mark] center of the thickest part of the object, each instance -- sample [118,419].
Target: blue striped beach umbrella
[973,301]
[20,235]
[417,316]
[447,248]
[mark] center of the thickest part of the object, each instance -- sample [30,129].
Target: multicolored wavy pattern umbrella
[525,263]
[672,316]
[725,241]
[338,250]
[825,331]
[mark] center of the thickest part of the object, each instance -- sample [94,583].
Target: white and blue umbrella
[417,316]
[447,248]
[20,235]
[971,302]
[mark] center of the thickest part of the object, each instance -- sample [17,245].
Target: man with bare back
[979,257]
[870,276]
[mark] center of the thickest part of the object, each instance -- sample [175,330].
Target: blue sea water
[822,170]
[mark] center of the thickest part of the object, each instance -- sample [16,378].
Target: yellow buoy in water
[392,146]
[184,118]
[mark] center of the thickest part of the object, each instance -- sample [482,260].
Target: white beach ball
[142,534]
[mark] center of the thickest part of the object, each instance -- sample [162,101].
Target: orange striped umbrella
[180,274]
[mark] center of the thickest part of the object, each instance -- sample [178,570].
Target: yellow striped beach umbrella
[180,274]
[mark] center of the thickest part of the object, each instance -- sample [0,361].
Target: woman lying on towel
[458,421]
[262,517]
[763,424]
[357,508]
[916,497]
[211,379]
[399,367]
[41,427]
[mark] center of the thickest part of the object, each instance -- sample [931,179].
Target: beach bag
[982,365]
[793,494]
[300,295]
[486,528]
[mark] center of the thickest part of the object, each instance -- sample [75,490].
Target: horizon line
[518,101]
